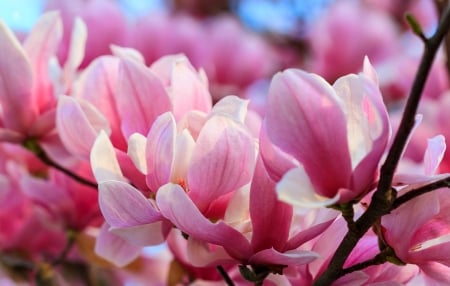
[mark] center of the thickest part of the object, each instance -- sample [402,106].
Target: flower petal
[41,46]
[145,97]
[124,206]
[223,160]
[16,82]
[78,123]
[295,188]
[76,50]
[103,159]
[114,248]
[295,100]
[136,150]
[188,91]
[127,53]
[434,154]
[141,235]
[97,84]
[232,106]
[271,218]
[292,257]
[159,150]
[176,206]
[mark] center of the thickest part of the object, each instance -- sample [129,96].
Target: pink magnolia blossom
[256,230]
[337,154]
[31,81]
[101,30]
[422,237]
[326,244]
[20,217]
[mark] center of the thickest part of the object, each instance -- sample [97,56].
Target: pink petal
[127,53]
[160,151]
[41,46]
[176,206]
[295,101]
[141,235]
[223,160]
[435,274]
[369,71]
[199,254]
[310,232]
[115,249]
[273,257]
[79,123]
[136,150]
[368,129]
[356,278]
[295,188]
[98,84]
[271,218]
[276,162]
[401,224]
[124,206]
[188,91]
[434,154]
[16,81]
[184,148]
[163,66]
[76,50]
[141,97]
[103,160]
[232,106]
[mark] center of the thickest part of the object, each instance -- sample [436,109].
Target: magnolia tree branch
[442,183]
[44,158]
[225,276]
[384,197]
[440,5]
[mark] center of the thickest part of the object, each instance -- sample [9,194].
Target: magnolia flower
[422,237]
[334,135]
[194,158]
[31,80]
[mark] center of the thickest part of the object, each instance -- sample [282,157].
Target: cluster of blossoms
[104,155]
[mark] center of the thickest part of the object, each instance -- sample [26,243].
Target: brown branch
[384,197]
[420,191]
[440,5]
[225,275]
[44,158]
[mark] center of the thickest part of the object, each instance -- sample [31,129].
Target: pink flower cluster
[105,153]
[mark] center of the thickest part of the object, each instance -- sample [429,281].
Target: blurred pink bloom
[253,58]
[20,217]
[32,80]
[396,73]
[106,25]
[336,135]
[423,10]
[345,34]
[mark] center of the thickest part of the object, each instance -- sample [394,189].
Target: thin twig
[384,197]
[420,191]
[71,238]
[440,5]
[224,275]
[44,158]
